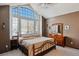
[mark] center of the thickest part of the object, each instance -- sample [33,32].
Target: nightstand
[14,42]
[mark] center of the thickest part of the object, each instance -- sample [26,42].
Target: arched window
[25,12]
[24,21]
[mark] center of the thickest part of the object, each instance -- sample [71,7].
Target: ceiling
[56,9]
[49,10]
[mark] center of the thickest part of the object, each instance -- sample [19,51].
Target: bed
[36,46]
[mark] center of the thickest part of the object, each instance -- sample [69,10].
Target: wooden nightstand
[14,43]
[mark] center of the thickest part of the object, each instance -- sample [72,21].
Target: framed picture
[67,27]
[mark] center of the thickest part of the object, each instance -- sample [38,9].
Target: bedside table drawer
[14,44]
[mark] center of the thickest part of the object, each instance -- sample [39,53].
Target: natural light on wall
[24,20]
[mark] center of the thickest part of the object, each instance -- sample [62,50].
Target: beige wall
[71,19]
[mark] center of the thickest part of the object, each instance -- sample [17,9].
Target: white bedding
[35,40]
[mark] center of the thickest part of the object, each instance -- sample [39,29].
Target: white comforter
[35,40]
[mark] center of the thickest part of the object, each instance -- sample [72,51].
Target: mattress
[35,40]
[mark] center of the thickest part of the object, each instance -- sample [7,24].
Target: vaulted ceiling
[56,9]
[49,10]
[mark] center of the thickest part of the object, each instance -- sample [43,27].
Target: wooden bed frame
[25,50]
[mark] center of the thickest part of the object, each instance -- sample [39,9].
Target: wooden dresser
[59,39]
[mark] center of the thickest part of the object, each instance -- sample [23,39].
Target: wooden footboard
[44,48]
[39,51]
[46,51]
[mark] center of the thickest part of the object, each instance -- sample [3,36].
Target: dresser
[59,39]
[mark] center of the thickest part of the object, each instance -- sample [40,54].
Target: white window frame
[19,18]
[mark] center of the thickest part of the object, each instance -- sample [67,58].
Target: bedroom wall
[44,26]
[4,33]
[71,19]
[40,25]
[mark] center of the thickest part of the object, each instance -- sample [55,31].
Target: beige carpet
[66,51]
[60,51]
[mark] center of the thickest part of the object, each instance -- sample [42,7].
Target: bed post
[33,50]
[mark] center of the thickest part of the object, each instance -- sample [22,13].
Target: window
[24,20]
[31,27]
[24,26]
[14,26]
[37,25]
[14,11]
